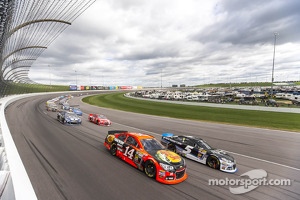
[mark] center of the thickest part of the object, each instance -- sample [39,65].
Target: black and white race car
[198,150]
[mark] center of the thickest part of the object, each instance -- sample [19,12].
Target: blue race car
[77,111]
[66,117]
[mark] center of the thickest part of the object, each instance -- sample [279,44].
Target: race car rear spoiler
[111,132]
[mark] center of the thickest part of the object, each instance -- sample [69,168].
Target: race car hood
[166,156]
[222,154]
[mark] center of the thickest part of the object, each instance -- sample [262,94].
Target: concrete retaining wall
[14,181]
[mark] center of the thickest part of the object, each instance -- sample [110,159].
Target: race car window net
[122,137]
[130,140]
[203,144]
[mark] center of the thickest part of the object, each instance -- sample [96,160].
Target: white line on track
[274,163]
[270,162]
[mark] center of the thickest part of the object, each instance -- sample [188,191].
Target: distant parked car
[248,101]
[271,102]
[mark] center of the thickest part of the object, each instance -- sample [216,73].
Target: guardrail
[14,180]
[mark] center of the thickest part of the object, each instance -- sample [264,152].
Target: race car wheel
[213,162]
[98,122]
[150,169]
[113,149]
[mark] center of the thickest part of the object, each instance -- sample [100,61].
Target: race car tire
[113,149]
[213,162]
[98,122]
[150,169]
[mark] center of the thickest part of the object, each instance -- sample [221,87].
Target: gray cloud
[253,22]
[145,42]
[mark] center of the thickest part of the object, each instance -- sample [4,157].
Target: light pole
[160,78]
[90,80]
[76,76]
[49,74]
[275,35]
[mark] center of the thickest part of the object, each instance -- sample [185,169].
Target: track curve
[70,162]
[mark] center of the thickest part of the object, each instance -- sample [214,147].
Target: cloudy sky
[166,42]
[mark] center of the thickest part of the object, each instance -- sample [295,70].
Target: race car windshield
[71,114]
[151,144]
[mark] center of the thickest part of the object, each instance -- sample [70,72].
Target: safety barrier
[14,181]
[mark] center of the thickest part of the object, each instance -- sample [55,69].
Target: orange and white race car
[147,154]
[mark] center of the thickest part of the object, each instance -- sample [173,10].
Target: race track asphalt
[70,162]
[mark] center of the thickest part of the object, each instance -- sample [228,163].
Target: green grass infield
[262,119]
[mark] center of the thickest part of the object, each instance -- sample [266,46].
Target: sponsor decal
[200,155]
[174,141]
[169,178]
[161,173]
[110,138]
[119,141]
[168,156]
[73,87]
[203,151]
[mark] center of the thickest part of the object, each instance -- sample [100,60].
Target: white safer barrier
[14,180]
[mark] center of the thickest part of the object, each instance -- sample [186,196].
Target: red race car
[147,154]
[99,119]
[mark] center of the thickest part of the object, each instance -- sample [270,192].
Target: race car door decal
[130,150]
